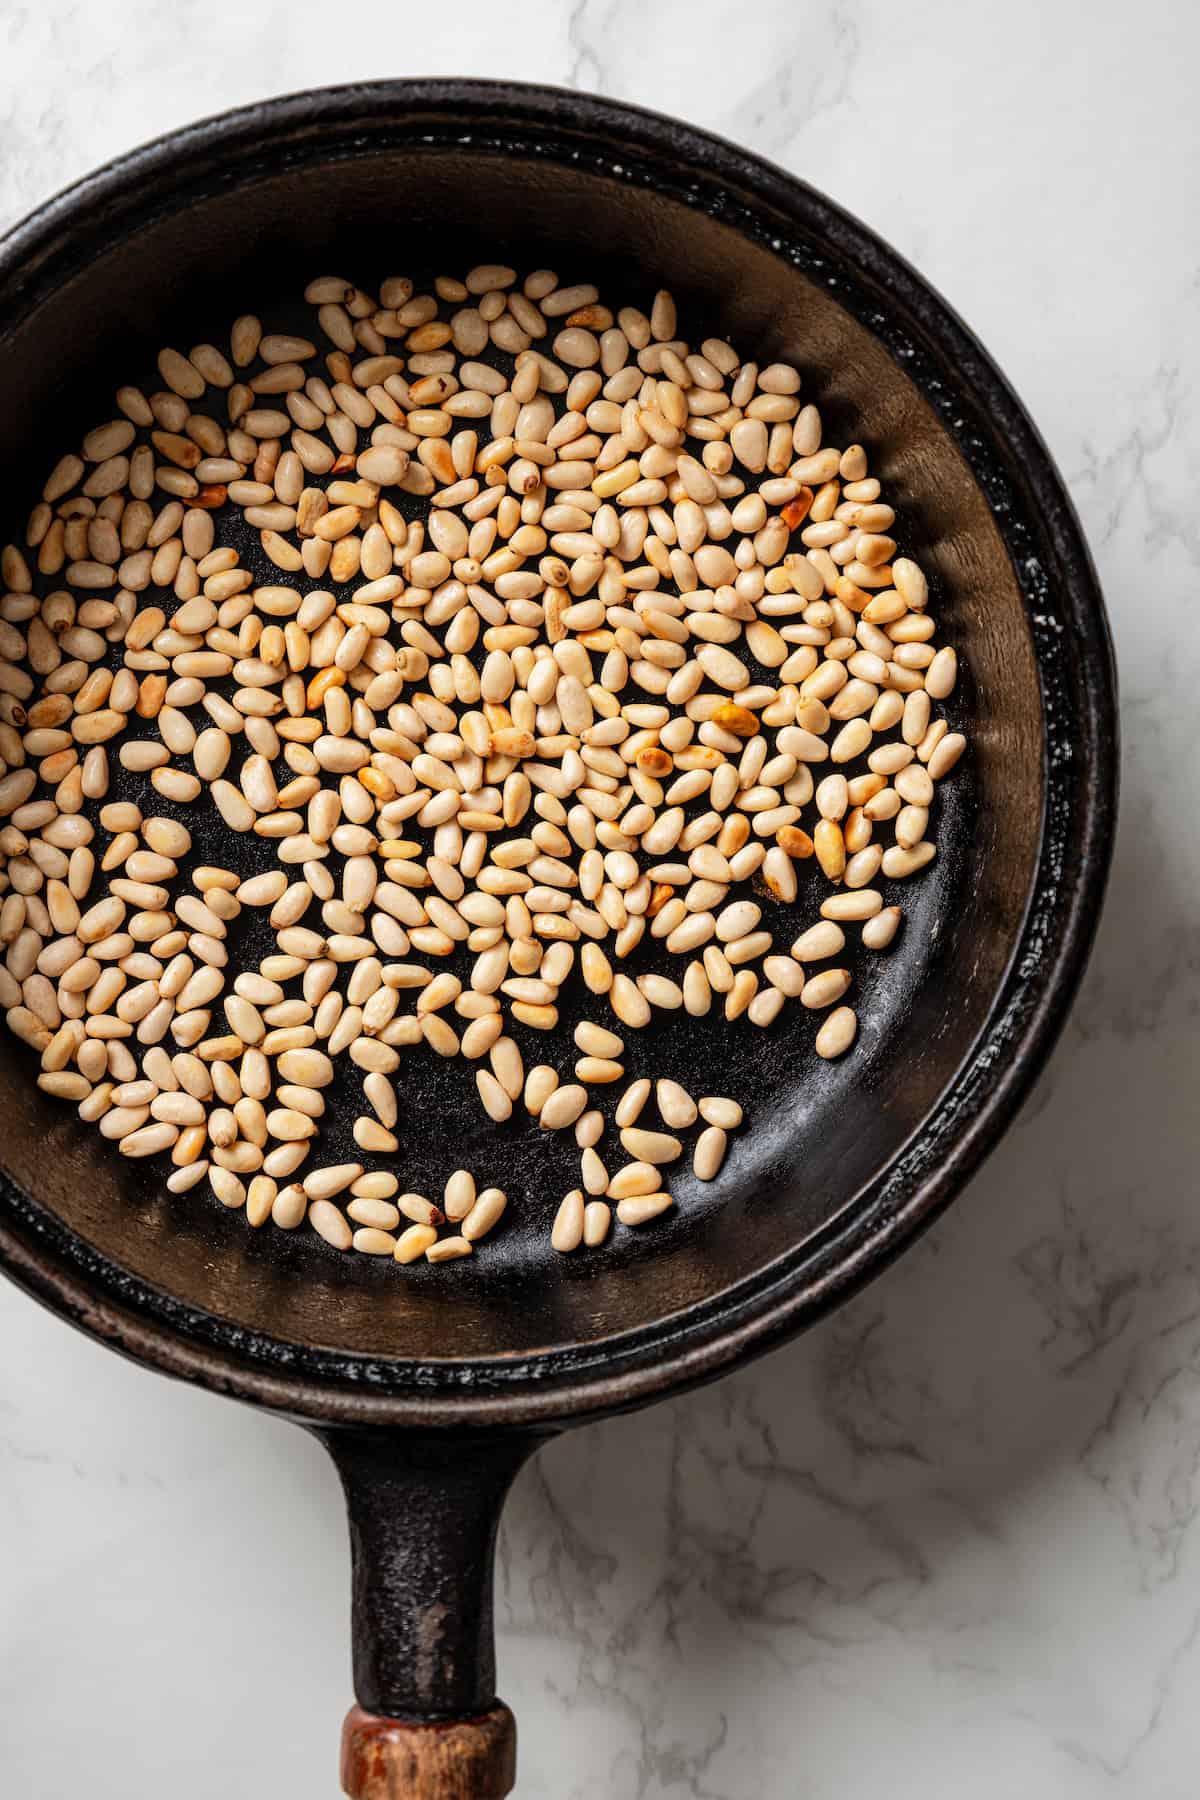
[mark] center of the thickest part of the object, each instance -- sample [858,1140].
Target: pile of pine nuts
[579,634]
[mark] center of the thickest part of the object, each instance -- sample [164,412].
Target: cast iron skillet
[431,1387]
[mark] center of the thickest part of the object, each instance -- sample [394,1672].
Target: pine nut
[630,1105]
[597,1218]
[878,931]
[643,1207]
[330,1224]
[676,1105]
[823,989]
[594,1040]
[567,1232]
[634,1178]
[414,1243]
[448,1249]
[459,1196]
[651,1146]
[485,1213]
[709,1153]
[717,1110]
[837,1032]
[562,1108]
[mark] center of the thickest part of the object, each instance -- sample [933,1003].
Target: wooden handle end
[462,1759]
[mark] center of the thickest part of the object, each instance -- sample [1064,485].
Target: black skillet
[431,1386]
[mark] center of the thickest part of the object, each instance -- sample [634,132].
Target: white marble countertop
[948,1543]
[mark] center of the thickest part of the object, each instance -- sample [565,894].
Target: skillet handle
[424,1510]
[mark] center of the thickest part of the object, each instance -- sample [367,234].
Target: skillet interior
[190,246]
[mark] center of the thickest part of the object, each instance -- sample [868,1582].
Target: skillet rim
[1078,685]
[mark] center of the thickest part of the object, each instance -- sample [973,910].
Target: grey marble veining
[948,1543]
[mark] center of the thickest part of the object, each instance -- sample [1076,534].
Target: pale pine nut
[878,932]
[675,1104]
[567,1232]
[595,1175]
[651,1146]
[329,1223]
[717,1110]
[485,1213]
[837,1032]
[709,1153]
[563,1107]
[459,1196]
[597,1217]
